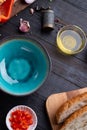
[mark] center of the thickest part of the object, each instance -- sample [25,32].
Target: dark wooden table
[67,73]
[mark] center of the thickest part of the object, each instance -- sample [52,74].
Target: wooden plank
[18,6]
[57,100]
[82,5]
[69,68]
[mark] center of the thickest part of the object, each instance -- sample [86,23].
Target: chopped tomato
[21,120]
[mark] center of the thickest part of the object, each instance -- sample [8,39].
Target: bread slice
[77,121]
[70,107]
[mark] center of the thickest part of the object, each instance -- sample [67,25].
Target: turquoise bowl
[24,65]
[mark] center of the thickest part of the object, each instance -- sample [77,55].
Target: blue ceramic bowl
[24,65]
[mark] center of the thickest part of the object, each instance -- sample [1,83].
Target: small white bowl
[22,107]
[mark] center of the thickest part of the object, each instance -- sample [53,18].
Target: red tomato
[21,120]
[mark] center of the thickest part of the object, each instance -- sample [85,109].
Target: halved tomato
[5,10]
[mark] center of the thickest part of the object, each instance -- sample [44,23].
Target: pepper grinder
[47,19]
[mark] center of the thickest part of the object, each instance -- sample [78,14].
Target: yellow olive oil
[69,41]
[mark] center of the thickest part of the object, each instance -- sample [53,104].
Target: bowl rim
[17,107]
[40,45]
[73,26]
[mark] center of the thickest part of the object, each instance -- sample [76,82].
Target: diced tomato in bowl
[21,118]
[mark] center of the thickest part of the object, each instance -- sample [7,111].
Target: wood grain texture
[54,101]
[82,5]
[67,73]
[18,6]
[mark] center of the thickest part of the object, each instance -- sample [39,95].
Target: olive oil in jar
[69,41]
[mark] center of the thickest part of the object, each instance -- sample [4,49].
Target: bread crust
[75,115]
[69,104]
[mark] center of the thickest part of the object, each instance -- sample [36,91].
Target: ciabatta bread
[77,121]
[70,107]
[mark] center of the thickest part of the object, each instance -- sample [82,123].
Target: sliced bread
[70,107]
[77,121]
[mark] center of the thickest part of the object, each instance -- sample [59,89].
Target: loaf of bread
[77,121]
[70,107]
